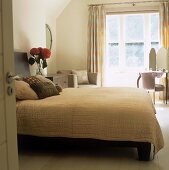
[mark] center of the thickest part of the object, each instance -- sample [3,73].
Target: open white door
[8,137]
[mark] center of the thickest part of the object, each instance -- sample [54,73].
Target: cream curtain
[165,24]
[96,40]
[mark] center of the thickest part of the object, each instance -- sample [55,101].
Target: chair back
[64,72]
[148,80]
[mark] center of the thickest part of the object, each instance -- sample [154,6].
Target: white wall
[71,33]
[29,19]
[53,9]
[51,21]
[29,24]
[71,36]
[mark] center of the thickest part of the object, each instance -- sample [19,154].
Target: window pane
[155,27]
[134,54]
[113,26]
[113,55]
[134,29]
[155,45]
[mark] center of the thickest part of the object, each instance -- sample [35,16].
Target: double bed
[106,114]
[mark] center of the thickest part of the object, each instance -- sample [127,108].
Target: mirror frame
[51,40]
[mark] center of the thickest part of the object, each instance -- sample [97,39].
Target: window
[155,37]
[134,41]
[129,38]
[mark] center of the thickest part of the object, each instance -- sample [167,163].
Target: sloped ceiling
[55,7]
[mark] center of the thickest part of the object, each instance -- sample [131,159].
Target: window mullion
[147,39]
[122,44]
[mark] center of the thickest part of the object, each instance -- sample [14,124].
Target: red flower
[39,56]
[40,50]
[34,51]
[46,53]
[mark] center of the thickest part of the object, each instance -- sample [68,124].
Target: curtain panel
[164,12]
[96,40]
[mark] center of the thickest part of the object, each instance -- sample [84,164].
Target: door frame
[10,104]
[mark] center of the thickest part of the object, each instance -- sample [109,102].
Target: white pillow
[23,91]
[82,76]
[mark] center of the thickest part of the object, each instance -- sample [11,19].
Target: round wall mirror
[48,37]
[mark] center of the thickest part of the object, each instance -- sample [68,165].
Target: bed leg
[144,150]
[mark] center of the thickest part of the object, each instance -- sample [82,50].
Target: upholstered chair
[148,83]
[80,78]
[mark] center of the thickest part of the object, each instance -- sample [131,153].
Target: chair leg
[154,97]
[164,97]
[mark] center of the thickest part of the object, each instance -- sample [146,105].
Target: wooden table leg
[138,79]
[166,90]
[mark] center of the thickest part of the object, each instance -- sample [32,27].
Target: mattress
[113,114]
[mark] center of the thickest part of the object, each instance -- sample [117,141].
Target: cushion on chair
[159,87]
[82,76]
[64,72]
[88,86]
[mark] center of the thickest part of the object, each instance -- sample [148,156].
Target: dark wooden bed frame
[52,143]
[143,148]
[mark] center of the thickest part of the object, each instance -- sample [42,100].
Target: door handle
[10,77]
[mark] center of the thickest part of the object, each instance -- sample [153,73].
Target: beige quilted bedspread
[118,114]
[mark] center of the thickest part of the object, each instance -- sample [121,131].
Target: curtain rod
[118,3]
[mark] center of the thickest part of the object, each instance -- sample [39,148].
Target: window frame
[146,41]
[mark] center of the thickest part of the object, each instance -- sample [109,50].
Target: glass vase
[39,69]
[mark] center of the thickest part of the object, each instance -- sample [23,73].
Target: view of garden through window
[129,38]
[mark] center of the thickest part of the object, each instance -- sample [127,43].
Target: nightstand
[59,79]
